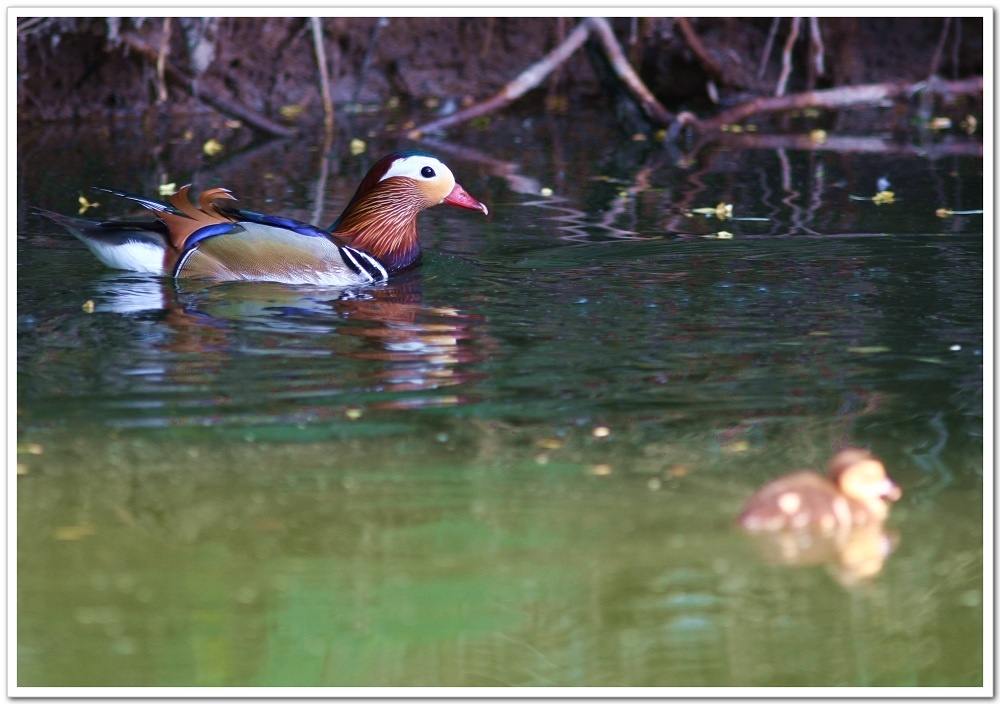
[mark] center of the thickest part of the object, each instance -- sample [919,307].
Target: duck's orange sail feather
[194,218]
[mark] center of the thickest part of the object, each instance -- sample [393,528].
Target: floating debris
[946,212]
[880,198]
[78,532]
[86,205]
[721,211]
[212,147]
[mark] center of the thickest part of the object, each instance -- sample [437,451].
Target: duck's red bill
[460,197]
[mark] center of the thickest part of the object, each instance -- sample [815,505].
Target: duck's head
[381,218]
[863,478]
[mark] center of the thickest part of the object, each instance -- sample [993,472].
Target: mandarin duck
[852,495]
[374,238]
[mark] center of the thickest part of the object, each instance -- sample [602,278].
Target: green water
[519,465]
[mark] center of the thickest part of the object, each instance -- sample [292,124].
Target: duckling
[853,494]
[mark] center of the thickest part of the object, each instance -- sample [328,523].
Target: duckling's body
[852,495]
[374,238]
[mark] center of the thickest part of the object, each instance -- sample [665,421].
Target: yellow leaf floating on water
[212,147]
[969,124]
[167,189]
[818,136]
[358,146]
[86,205]
[78,532]
[939,123]
[881,198]
[88,306]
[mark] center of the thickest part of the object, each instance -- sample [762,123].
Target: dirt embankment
[87,67]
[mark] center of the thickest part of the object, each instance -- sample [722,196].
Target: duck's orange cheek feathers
[461,198]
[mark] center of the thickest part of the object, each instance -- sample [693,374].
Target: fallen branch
[629,78]
[835,98]
[537,72]
[228,107]
[528,79]
[840,143]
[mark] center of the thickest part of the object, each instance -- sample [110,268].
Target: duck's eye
[427,172]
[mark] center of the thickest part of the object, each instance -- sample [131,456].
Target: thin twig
[366,62]
[706,60]
[161,61]
[786,57]
[768,46]
[324,75]
[816,37]
[228,107]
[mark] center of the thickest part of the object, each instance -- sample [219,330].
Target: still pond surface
[518,465]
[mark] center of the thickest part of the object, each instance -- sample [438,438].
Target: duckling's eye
[427,172]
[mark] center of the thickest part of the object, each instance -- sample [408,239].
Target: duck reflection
[424,347]
[407,345]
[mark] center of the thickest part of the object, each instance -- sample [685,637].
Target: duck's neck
[383,224]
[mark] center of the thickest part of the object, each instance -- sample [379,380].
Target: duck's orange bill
[460,197]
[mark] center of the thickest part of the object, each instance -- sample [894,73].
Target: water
[518,465]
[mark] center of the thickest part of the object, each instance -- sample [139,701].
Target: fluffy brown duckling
[853,494]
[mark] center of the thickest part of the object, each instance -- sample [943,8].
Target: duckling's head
[863,478]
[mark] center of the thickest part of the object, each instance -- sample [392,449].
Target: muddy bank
[72,68]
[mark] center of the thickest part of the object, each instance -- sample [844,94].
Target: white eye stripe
[412,166]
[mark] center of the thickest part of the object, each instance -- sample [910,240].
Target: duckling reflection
[805,518]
